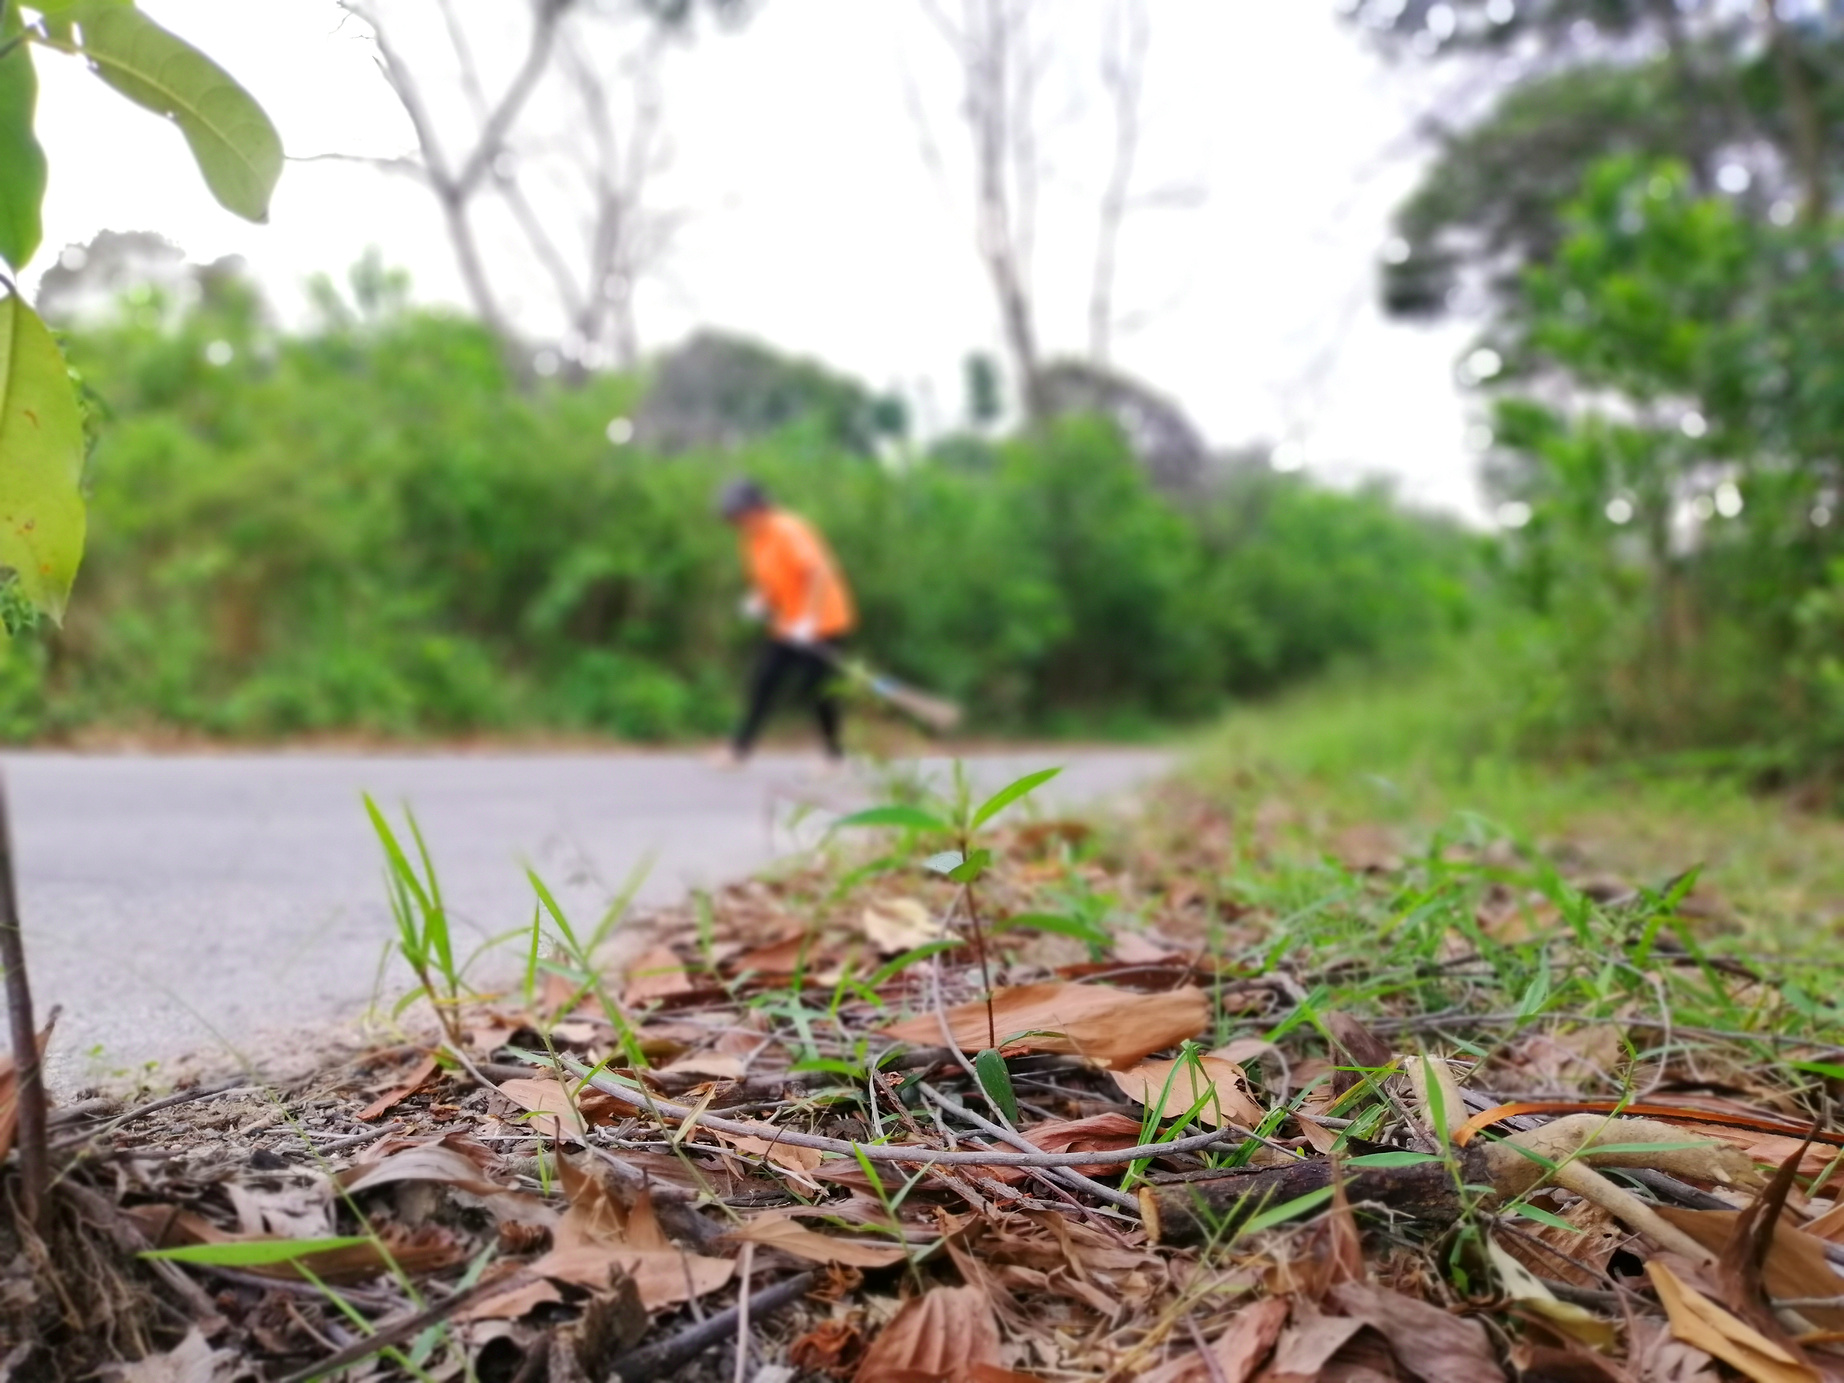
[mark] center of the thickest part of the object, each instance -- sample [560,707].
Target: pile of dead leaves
[771,1143]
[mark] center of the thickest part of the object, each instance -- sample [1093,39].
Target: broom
[932,713]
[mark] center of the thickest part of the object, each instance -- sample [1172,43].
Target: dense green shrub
[371,528]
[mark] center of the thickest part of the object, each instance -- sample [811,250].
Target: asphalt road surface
[209,905]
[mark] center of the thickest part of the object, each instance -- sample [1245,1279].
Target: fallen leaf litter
[811,1167]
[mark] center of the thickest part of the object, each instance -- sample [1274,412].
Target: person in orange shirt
[797,589]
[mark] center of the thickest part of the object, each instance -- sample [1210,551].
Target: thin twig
[886,1152]
[408,1327]
[667,1358]
[28,1072]
[1068,1175]
[745,1266]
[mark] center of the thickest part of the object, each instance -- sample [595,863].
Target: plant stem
[34,1152]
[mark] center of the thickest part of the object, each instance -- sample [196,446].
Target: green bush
[370,528]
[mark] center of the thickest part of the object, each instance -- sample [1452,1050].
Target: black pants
[812,675]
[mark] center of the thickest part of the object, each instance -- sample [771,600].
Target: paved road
[174,904]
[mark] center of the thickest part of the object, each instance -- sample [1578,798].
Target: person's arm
[805,629]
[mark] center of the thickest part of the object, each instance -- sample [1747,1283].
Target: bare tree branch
[1123,71]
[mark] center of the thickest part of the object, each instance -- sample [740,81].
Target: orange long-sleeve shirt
[796,574]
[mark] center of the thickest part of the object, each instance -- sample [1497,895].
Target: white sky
[812,221]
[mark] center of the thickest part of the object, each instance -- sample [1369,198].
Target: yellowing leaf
[41,461]
[235,144]
[557,1115]
[896,925]
[1175,1086]
[1702,1324]
[780,1232]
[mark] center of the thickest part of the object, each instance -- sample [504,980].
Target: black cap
[739,497]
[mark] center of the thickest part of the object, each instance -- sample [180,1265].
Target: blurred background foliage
[370,527]
[378,525]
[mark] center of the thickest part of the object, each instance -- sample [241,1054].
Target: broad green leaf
[1401,1158]
[907,818]
[1010,793]
[235,144]
[996,1081]
[22,161]
[250,1253]
[41,461]
[969,870]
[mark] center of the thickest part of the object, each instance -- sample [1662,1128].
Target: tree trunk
[1803,113]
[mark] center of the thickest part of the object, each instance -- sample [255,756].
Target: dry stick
[34,1152]
[886,1152]
[743,1270]
[408,1327]
[1068,1176]
[665,1359]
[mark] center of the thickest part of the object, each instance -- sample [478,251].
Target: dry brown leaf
[780,958]
[555,1114]
[896,925]
[1137,948]
[1657,1356]
[1243,1050]
[1308,1344]
[1830,1225]
[1796,1264]
[1322,1138]
[9,1093]
[714,1065]
[1175,1086]
[656,974]
[421,1162]
[391,1098]
[1252,1332]
[1580,1254]
[769,1146]
[1436,1346]
[597,1238]
[778,1231]
[1701,1323]
[943,1336]
[1097,1133]
[1113,1026]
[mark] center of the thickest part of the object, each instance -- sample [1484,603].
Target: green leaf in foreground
[1057,923]
[254,1253]
[996,1081]
[1010,793]
[22,161]
[1287,1210]
[41,461]
[233,140]
[905,818]
[1401,1158]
